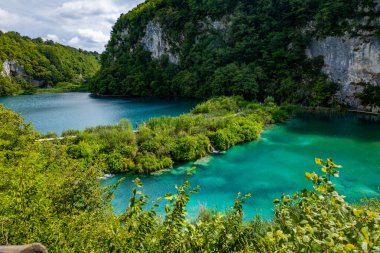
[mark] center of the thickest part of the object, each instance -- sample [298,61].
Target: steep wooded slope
[201,48]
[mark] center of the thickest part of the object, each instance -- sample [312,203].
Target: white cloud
[74,42]
[87,8]
[4,14]
[7,19]
[52,37]
[91,20]
[95,36]
[83,24]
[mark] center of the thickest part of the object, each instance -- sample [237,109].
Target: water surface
[267,168]
[76,110]
[276,165]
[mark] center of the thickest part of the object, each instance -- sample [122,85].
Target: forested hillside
[30,63]
[199,48]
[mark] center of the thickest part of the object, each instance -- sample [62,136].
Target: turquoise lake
[77,110]
[276,165]
[267,168]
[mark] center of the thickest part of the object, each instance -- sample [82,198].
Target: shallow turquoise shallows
[276,165]
[62,111]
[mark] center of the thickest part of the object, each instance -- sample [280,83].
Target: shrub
[190,148]
[148,163]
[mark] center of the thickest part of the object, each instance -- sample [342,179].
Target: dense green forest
[251,48]
[50,197]
[42,63]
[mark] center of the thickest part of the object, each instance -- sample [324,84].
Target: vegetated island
[158,143]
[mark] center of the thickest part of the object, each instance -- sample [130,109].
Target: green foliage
[8,86]
[216,124]
[229,48]
[189,148]
[58,88]
[45,195]
[15,135]
[321,92]
[370,95]
[49,197]
[232,80]
[148,163]
[321,221]
[46,62]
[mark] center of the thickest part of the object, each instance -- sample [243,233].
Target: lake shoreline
[274,164]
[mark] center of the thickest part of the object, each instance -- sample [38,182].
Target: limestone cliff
[11,68]
[155,42]
[349,62]
[213,48]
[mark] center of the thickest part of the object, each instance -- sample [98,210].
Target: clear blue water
[267,168]
[275,165]
[62,111]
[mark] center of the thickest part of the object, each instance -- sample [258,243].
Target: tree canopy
[47,62]
[250,48]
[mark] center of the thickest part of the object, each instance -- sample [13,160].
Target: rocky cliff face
[155,42]
[349,62]
[11,68]
[236,48]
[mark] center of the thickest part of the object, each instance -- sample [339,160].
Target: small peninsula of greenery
[27,63]
[212,126]
[50,197]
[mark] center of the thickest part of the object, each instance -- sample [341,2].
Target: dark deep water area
[76,110]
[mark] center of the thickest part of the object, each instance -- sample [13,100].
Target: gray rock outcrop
[154,42]
[349,62]
[12,68]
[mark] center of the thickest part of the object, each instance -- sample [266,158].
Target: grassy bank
[59,88]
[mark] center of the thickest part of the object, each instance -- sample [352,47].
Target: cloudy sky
[82,24]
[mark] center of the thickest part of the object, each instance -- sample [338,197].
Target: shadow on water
[144,100]
[340,125]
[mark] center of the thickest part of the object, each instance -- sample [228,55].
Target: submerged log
[30,248]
